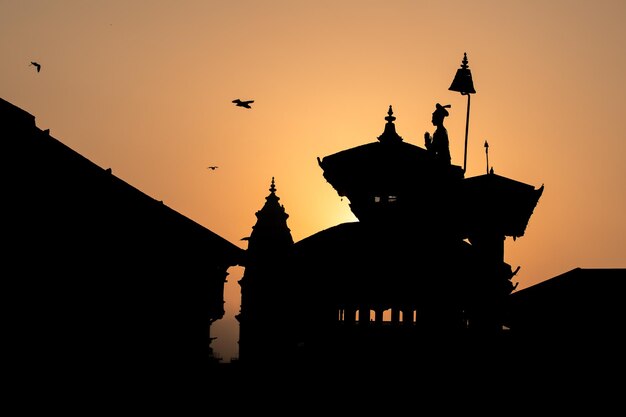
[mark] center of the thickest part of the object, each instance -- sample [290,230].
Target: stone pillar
[395,315]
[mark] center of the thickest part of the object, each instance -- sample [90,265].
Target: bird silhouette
[212,167]
[245,103]
[36,65]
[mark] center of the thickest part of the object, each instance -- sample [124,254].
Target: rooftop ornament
[389,135]
[463,84]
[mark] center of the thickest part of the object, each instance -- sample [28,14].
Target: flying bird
[36,65]
[212,167]
[245,103]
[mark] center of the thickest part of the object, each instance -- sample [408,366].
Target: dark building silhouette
[420,282]
[568,331]
[427,251]
[113,293]
[581,307]
[103,283]
[263,318]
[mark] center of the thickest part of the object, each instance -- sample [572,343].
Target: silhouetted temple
[114,293]
[423,265]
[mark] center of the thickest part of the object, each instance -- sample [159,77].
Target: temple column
[407,316]
[349,315]
[378,316]
[364,316]
[395,315]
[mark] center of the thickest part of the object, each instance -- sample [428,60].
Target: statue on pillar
[438,143]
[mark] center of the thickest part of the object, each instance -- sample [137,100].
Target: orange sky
[145,87]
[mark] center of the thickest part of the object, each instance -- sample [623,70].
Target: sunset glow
[146,88]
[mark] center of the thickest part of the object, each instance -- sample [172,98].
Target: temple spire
[270,233]
[265,277]
[273,186]
[390,118]
[389,134]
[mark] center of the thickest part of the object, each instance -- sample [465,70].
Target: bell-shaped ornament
[463,82]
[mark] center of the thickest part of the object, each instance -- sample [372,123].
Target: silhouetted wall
[581,308]
[103,281]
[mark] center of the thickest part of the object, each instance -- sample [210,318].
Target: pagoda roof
[494,202]
[350,254]
[373,164]
[389,161]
